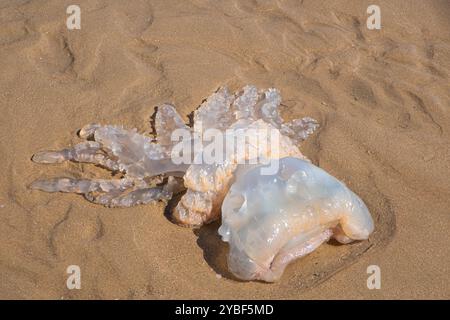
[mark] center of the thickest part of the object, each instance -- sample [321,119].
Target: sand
[381,96]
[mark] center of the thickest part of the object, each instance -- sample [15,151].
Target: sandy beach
[381,97]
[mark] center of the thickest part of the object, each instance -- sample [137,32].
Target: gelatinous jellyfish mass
[268,219]
[271,220]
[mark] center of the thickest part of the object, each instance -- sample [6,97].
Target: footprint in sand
[73,232]
[52,54]
[133,20]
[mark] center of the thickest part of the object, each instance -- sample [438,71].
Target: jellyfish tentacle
[167,120]
[126,198]
[86,152]
[88,131]
[300,129]
[81,186]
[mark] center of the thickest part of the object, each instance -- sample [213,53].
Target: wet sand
[381,97]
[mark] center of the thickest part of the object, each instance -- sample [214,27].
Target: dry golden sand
[382,99]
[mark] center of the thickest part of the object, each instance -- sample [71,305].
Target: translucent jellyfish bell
[271,220]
